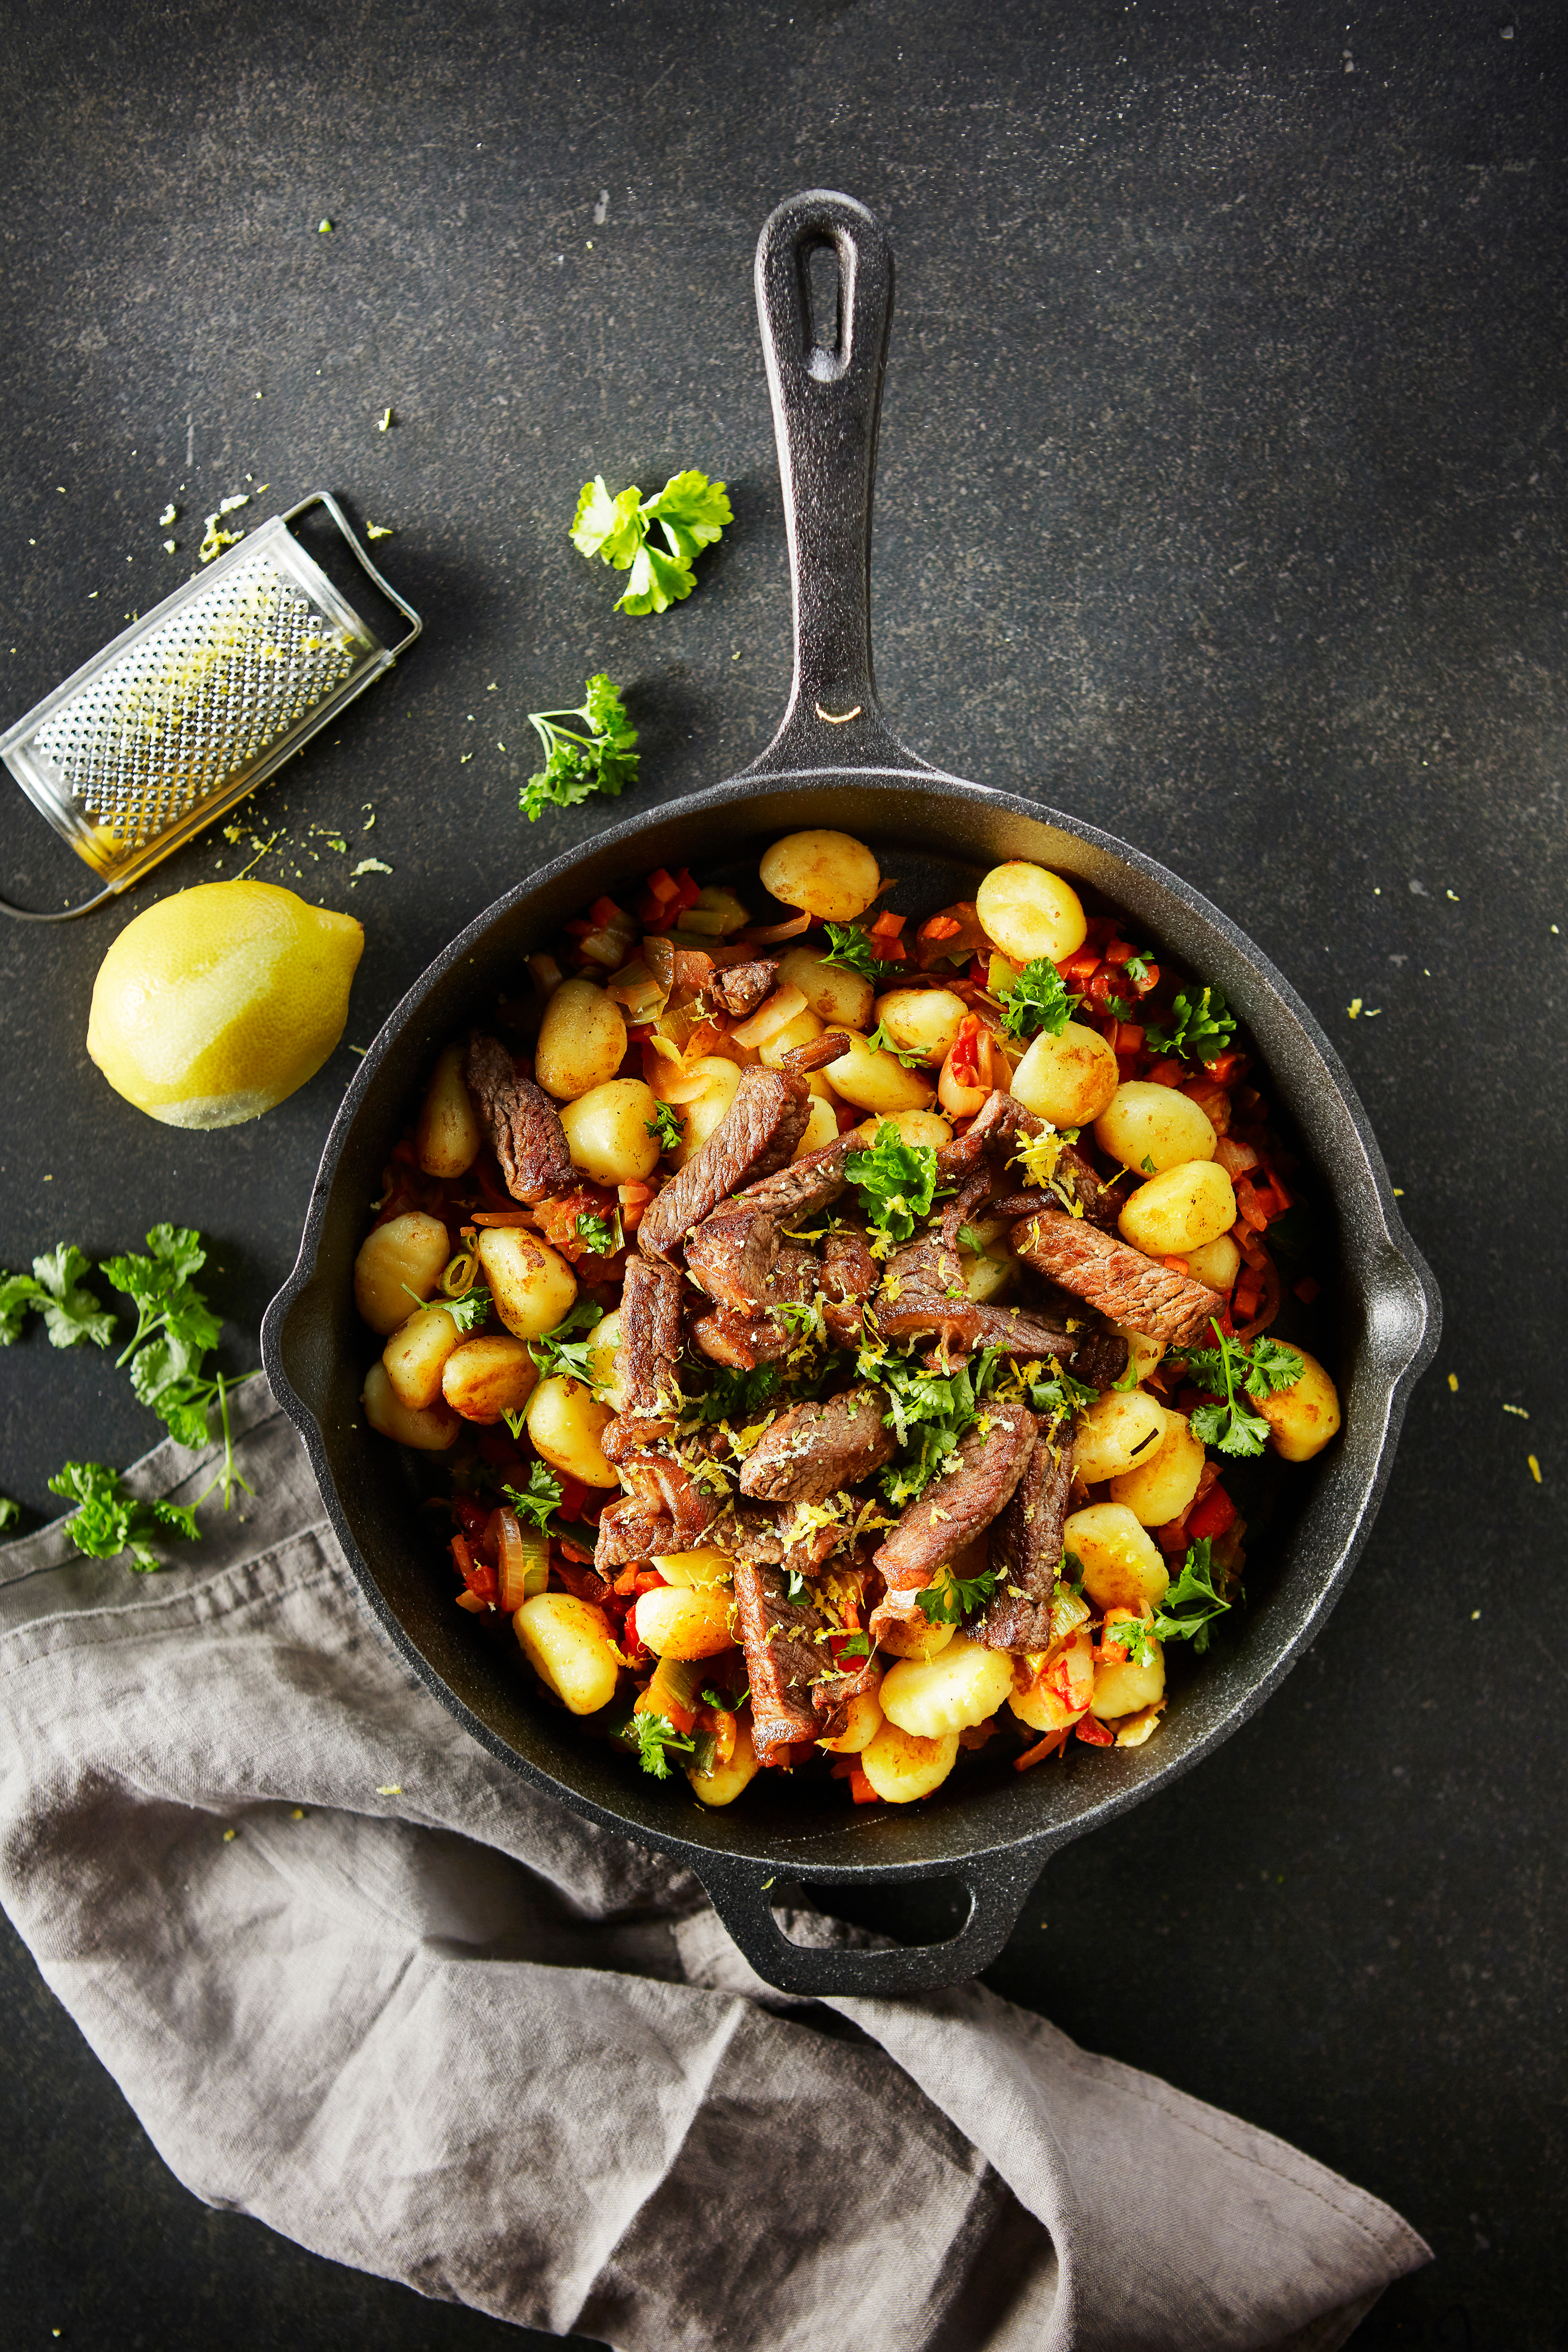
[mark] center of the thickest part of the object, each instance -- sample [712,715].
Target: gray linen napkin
[358,1981]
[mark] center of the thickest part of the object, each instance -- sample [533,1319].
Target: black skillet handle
[827,398]
[999,1886]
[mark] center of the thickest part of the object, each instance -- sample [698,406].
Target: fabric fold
[360,1980]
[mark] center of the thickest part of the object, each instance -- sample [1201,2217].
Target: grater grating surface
[191,708]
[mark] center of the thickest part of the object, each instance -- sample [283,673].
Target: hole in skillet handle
[978,1905]
[821,303]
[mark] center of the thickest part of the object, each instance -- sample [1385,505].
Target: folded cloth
[358,1980]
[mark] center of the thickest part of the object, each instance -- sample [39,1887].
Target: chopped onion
[775,933]
[776,1014]
[524,1555]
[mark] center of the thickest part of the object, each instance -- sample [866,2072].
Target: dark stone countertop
[1221,501]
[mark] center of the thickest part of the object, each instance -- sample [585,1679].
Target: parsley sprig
[1187,1609]
[667,1124]
[850,949]
[470,1311]
[602,1235]
[176,1331]
[602,761]
[896,1182]
[929,1414]
[535,1501]
[956,1598]
[1257,1372]
[107,1521]
[1037,1002]
[55,1290]
[561,1356]
[879,1042]
[1059,1392]
[655,1737]
[690,512]
[1202,1025]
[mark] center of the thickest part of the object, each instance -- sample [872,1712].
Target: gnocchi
[632,1021]
[828,875]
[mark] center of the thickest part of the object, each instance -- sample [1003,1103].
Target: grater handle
[32,915]
[325,498]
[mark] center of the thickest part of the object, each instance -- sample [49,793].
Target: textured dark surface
[1220,501]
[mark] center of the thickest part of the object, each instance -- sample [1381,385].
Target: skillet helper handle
[998,1885]
[827,399]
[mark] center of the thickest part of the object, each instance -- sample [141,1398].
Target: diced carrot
[577,928]
[1212,1515]
[860,1789]
[940,927]
[1307,1289]
[1226,1066]
[1166,1073]
[1175,1265]
[1076,969]
[1128,1039]
[662,885]
[887,925]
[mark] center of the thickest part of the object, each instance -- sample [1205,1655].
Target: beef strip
[781,1657]
[664,1483]
[766,1534]
[958,1505]
[1101,1357]
[726,1336]
[1124,1284]
[757,1133]
[1075,1178]
[633,1528]
[521,1122]
[742,987]
[733,1250]
[1000,1117]
[849,1274]
[1026,1545]
[816,1450]
[648,1357]
[923,1290]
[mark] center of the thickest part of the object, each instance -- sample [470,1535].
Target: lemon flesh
[215,1004]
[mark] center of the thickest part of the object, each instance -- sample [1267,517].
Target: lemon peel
[217,1003]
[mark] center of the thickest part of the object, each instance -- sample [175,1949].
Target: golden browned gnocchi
[604,1459]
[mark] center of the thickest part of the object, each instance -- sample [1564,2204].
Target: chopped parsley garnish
[56,1291]
[1257,1372]
[467,1312]
[738,1397]
[175,1331]
[1202,1025]
[929,1412]
[850,949]
[1147,1165]
[109,1521]
[1037,1000]
[896,1182]
[655,1736]
[602,1235]
[576,764]
[879,1042]
[956,1598]
[667,1124]
[561,1356]
[855,1645]
[535,1501]
[1193,1600]
[1059,1393]
[690,510]
[1138,966]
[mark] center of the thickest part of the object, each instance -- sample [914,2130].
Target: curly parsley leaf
[667,1124]
[559,1355]
[602,1235]
[690,513]
[1194,1599]
[896,1182]
[1257,1372]
[655,1736]
[601,761]
[109,1521]
[851,950]
[879,1042]
[1202,1025]
[469,1311]
[55,1290]
[956,1598]
[1037,1000]
[175,1332]
[535,1501]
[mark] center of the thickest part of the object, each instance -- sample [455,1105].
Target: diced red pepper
[1077,969]
[941,926]
[1166,1073]
[478,1575]
[1129,1038]
[662,885]
[1212,1515]
[1225,1066]
[577,928]
[1094,1732]
[1172,1537]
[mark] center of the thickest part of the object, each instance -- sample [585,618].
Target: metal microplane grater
[197,702]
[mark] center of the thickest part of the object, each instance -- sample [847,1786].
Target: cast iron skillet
[835,762]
